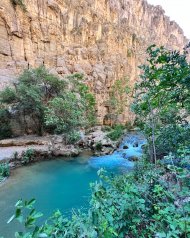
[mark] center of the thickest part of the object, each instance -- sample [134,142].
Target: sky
[177,10]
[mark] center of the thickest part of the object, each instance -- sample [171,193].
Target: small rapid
[129,149]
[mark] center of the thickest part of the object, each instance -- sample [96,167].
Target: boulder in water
[124,155]
[133,158]
[125,147]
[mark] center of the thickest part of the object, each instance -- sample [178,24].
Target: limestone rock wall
[103,39]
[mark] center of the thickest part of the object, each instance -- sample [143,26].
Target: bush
[98,146]
[106,128]
[67,115]
[4,171]
[72,109]
[5,128]
[161,101]
[53,104]
[19,3]
[171,137]
[8,95]
[73,137]
[28,156]
[141,204]
[116,133]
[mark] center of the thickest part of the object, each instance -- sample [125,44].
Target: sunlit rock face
[103,39]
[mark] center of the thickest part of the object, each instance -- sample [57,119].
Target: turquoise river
[61,184]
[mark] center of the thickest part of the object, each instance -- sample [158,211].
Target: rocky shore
[13,150]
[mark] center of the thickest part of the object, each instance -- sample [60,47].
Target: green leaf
[11,219]
[19,204]
[30,204]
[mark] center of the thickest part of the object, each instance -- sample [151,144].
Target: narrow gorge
[103,39]
[94,120]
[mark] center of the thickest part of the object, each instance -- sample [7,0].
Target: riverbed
[61,184]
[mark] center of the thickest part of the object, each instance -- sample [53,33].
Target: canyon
[105,40]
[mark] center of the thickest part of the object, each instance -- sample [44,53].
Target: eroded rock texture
[103,39]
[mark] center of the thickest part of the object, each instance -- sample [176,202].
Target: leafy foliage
[20,3]
[72,109]
[150,202]
[4,171]
[87,99]
[8,95]
[5,128]
[119,96]
[27,156]
[30,95]
[117,132]
[52,103]
[98,146]
[162,100]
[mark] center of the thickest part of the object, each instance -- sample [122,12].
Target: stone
[133,158]
[25,141]
[125,147]
[135,144]
[57,139]
[124,155]
[97,141]
[68,151]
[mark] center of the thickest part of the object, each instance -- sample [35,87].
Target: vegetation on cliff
[5,128]
[53,104]
[72,110]
[119,97]
[19,3]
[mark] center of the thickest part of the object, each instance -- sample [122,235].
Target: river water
[61,184]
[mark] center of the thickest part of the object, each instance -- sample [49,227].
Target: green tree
[119,96]
[162,99]
[71,110]
[5,127]
[35,87]
[62,104]
[66,114]
[87,99]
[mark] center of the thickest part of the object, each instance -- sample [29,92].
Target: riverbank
[29,149]
[62,183]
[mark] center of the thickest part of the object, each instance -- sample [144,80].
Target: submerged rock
[135,144]
[125,147]
[124,155]
[133,158]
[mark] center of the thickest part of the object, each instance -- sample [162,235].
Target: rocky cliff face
[103,39]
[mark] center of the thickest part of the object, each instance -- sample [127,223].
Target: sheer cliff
[103,39]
